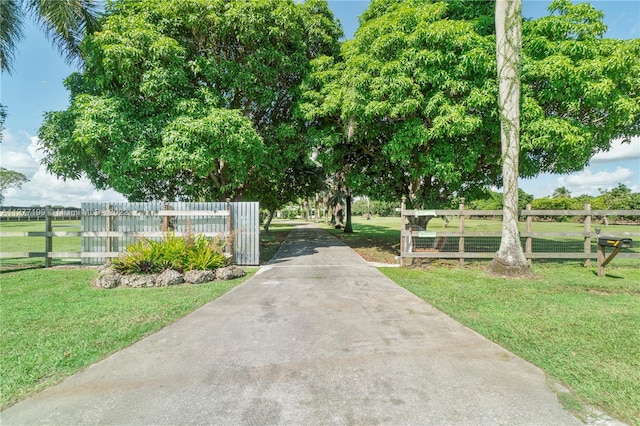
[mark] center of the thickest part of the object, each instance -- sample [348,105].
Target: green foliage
[181,254]
[139,258]
[411,108]
[64,22]
[492,200]
[620,198]
[204,254]
[558,203]
[192,100]
[578,89]
[375,208]
[405,112]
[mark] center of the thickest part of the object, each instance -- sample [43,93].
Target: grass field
[582,330]
[378,239]
[37,244]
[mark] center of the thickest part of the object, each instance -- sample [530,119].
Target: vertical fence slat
[461,229]
[587,236]
[403,239]
[529,241]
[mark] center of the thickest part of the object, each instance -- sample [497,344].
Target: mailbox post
[616,243]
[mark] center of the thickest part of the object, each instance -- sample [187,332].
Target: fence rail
[107,229]
[416,242]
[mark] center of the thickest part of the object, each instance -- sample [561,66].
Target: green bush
[205,254]
[181,254]
[141,257]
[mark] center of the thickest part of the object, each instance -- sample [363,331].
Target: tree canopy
[412,107]
[187,99]
[580,90]
[209,99]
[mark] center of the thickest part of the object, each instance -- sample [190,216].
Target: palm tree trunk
[509,259]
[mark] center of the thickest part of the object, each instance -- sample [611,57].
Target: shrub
[140,258]
[181,254]
[205,254]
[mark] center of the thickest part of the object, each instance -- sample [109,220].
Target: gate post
[165,219]
[403,226]
[528,249]
[587,236]
[48,240]
[461,229]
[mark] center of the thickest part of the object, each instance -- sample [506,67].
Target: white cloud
[20,152]
[619,151]
[589,183]
[33,149]
[20,162]
[46,189]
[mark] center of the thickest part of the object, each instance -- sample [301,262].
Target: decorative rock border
[111,278]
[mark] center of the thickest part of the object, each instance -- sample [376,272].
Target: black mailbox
[617,243]
[620,243]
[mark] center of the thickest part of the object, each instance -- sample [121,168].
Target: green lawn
[37,244]
[582,330]
[55,323]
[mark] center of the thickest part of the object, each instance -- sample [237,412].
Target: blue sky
[35,87]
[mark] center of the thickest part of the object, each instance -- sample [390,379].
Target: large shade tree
[419,83]
[189,99]
[405,111]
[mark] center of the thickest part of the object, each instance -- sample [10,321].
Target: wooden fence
[461,244]
[107,228]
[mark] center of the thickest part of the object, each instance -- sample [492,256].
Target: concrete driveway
[317,337]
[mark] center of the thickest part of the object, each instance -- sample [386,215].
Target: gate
[109,227]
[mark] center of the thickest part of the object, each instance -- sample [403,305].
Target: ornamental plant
[172,252]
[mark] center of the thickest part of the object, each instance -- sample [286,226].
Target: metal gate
[113,226]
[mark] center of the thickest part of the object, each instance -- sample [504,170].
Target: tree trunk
[348,227]
[305,204]
[269,219]
[339,216]
[510,259]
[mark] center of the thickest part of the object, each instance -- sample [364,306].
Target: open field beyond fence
[385,247]
[38,244]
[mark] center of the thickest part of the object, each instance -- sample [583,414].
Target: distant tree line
[619,198]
